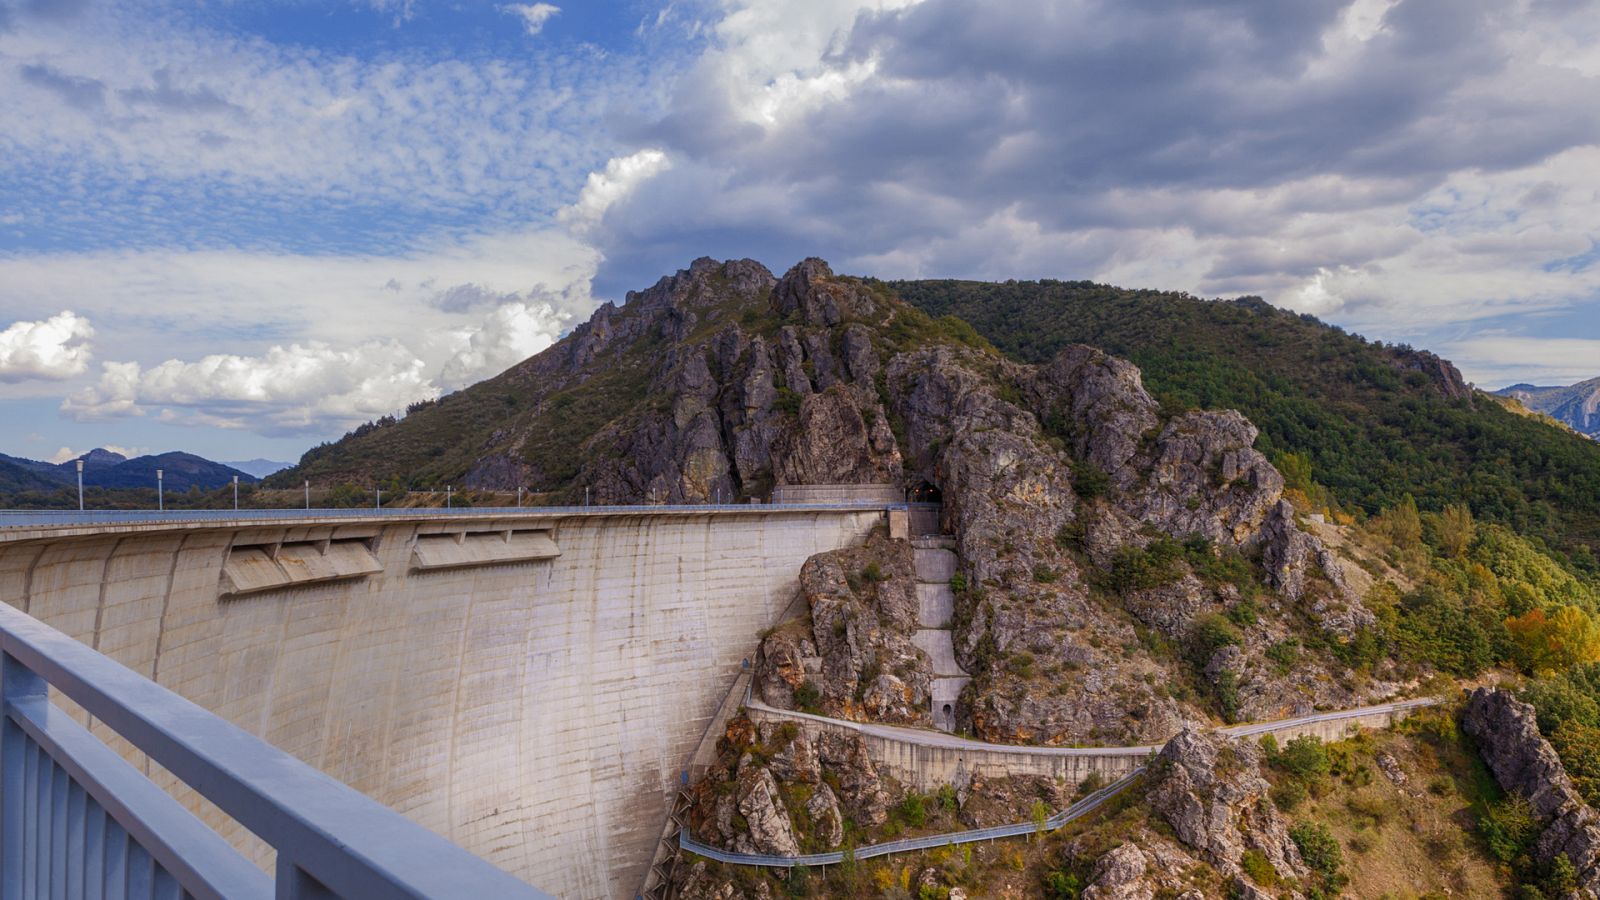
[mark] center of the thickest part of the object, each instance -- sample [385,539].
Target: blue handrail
[72,811]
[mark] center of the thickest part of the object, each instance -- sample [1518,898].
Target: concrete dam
[529,684]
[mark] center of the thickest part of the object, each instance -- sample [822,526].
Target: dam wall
[528,685]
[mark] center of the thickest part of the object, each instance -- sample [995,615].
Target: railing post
[294,884]
[16,682]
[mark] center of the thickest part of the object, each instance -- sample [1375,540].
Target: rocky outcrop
[1442,374]
[1144,866]
[769,780]
[855,647]
[811,293]
[1210,791]
[1525,764]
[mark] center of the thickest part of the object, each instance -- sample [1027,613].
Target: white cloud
[53,349]
[67,454]
[1496,360]
[507,336]
[533,15]
[289,389]
[603,189]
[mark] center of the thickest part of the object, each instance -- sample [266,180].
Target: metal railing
[22,518]
[77,820]
[1077,810]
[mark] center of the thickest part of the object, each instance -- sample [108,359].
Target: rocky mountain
[1575,405]
[1375,421]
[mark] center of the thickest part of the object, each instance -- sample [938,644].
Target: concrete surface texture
[536,712]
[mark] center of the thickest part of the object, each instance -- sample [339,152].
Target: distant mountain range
[1575,405]
[260,468]
[103,468]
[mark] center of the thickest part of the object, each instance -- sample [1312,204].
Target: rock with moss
[1211,792]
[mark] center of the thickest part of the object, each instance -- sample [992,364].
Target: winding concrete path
[1323,724]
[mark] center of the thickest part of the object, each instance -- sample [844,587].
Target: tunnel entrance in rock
[924,492]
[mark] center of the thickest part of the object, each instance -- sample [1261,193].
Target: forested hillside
[1377,422]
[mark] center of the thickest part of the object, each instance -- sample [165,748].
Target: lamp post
[80,485]
[519,498]
[235,493]
[161,493]
[308,493]
[378,502]
[447,496]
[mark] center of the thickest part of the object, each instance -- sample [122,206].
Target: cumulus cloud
[604,188]
[290,389]
[507,336]
[53,349]
[533,15]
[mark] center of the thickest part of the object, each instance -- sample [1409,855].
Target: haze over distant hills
[1575,405]
[258,467]
[103,468]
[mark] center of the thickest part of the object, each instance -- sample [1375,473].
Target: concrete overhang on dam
[527,683]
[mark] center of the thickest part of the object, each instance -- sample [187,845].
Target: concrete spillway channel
[936,564]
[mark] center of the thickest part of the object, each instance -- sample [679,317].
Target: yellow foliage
[1557,641]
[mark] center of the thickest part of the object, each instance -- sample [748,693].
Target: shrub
[1305,757]
[1290,794]
[946,797]
[1318,847]
[807,697]
[1508,828]
[1245,613]
[1208,634]
[913,810]
[872,573]
[1284,654]
[1260,870]
[1046,575]
[1089,481]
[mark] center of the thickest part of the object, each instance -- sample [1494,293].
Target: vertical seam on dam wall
[100,605]
[166,601]
[27,581]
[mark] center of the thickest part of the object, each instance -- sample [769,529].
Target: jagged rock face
[1206,478]
[1147,865]
[811,292]
[1442,374]
[857,651]
[731,408]
[700,884]
[1524,763]
[1211,792]
[1104,401]
[755,815]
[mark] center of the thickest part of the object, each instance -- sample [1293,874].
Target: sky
[243,227]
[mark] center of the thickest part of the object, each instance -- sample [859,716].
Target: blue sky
[243,227]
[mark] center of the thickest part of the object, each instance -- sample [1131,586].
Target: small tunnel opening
[924,492]
[948,710]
